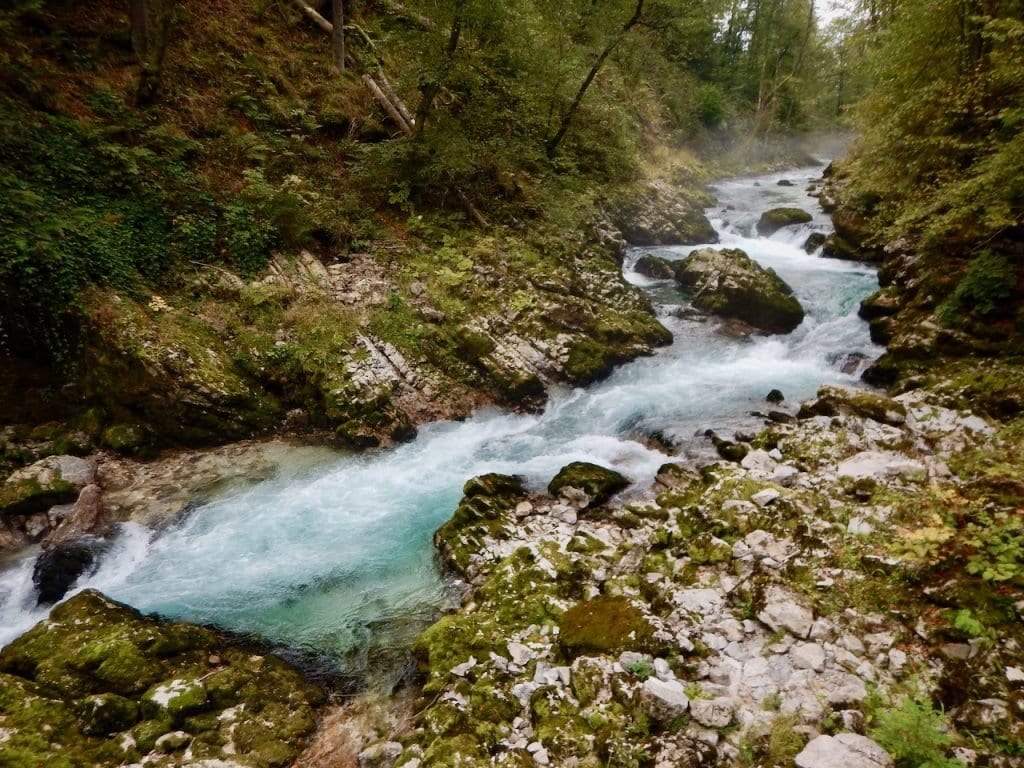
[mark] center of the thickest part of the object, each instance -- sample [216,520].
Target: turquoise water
[337,561]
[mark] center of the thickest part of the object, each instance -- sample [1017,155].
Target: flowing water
[336,561]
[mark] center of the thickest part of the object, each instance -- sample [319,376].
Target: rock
[659,214]
[834,400]
[604,625]
[765,497]
[107,713]
[808,656]
[654,267]
[172,742]
[57,569]
[880,465]
[775,397]
[730,284]
[847,750]
[784,611]
[39,486]
[664,701]
[381,755]
[108,677]
[814,241]
[599,483]
[777,218]
[713,713]
[84,517]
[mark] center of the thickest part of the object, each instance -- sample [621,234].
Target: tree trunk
[433,88]
[156,50]
[338,33]
[563,128]
[140,28]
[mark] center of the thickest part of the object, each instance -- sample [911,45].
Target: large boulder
[731,284]
[39,486]
[597,482]
[852,239]
[99,684]
[777,218]
[661,214]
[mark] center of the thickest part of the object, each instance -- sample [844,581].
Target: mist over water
[337,560]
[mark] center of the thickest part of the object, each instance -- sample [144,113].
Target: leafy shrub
[915,734]
[989,283]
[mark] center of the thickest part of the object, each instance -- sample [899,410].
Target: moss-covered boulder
[834,401]
[853,237]
[486,510]
[39,486]
[97,683]
[605,625]
[599,483]
[731,284]
[777,218]
[662,214]
[654,267]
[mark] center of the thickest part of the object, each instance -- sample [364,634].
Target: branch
[319,20]
[552,144]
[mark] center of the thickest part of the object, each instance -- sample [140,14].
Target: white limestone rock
[847,750]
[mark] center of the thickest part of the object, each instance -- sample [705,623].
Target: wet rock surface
[99,684]
[756,608]
[730,284]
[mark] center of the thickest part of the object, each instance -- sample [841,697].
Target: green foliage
[915,734]
[941,128]
[985,289]
[997,541]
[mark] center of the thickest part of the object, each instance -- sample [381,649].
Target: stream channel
[334,562]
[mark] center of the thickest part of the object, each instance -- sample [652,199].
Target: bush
[916,735]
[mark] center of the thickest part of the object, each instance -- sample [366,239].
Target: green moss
[599,483]
[123,438]
[82,672]
[26,497]
[777,218]
[605,625]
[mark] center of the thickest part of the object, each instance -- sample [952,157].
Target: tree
[150,25]
[338,33]
[551,146]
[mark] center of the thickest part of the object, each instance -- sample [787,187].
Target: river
[336,562]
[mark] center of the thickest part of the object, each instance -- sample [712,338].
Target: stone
[765,497]
[713,713]
[880,465]
[847,750]
[808,656]
[172,742]
[83,517]
[39,486]
[654,267]
[660,214]
[730,284]
[777,218]
[599,483]
[520,654]
[56,570]
[380,755]
[783,611]
[665,701]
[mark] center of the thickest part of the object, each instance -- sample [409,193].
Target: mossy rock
[124,438]
[605,625]
[599,483]
[484,512]
[777,218]
[82,673]
[654,267]
[731,284]
[833,401]
[39,486]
